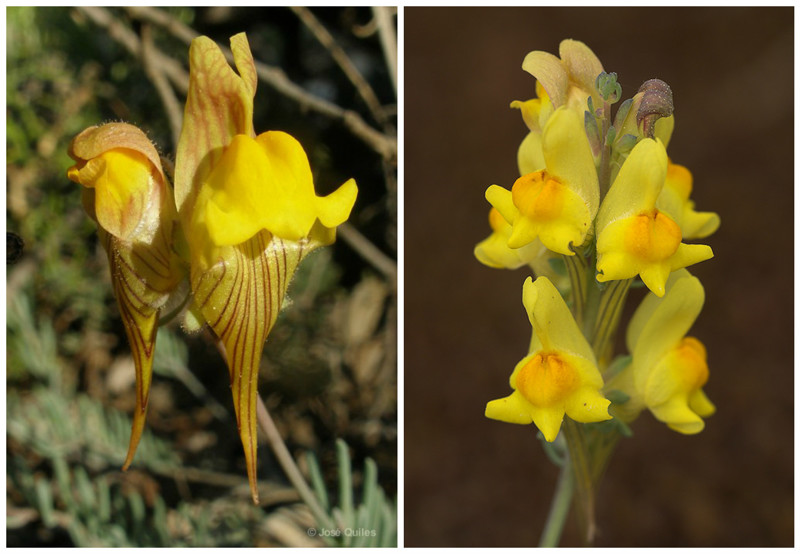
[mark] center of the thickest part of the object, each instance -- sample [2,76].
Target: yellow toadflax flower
[634,237]
[559,376]
[556,204]
[127,194]
[570,79]
[668,369]
[535,113]
[674,198]
[250,213]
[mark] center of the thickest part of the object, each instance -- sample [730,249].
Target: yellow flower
[669,369]
[494,252]
[535,113]
[558,203]
[559,375]
[569,80]
[674,198]
[633,236]
[126,192]
[250,213]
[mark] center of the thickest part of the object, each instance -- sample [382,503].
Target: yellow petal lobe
[122,182]
[266,183]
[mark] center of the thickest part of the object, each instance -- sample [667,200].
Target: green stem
[559,508]
[576,269]
[584,490]
[610,307]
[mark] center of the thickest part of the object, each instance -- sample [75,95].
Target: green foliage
[370,523]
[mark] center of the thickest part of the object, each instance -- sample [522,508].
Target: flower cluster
[242,216]
[598,207]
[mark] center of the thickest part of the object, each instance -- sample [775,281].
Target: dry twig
[156,74]
[343,60]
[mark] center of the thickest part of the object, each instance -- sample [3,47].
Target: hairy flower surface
[668,368]
[126,192]
[559,375]
[250,213]
[556,204]
[634,237]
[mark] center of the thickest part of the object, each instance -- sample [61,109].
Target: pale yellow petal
[568,157]
[529,156]
[550,72]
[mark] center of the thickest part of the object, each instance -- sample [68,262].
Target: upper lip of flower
[563,217]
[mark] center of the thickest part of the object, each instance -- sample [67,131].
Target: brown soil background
[474,482]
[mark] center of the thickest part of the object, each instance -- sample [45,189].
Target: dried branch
[153,70]
[343,60]
[369,252]
[128,39]
[383,18]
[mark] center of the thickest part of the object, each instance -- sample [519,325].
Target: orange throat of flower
[538,196]
[547,379]
[653,236]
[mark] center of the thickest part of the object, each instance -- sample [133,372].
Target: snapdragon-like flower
[568,79]
[493,251]
[559,375]
[668,369]
[634,237]
[127,194]
[556,204]
[674,198]
[250,213]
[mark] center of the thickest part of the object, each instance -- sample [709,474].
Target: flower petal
[549,71]
[548,420]
[494,252]
[581,63]
[568,157]
[219,105]
[637,185]
[659,323]
[552,321]
[588,405]
[529,156]
[511,409]
[678,416]
[127,193]
[501,200]
[240,298]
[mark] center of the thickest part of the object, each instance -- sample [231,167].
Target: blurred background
[329,367]
[470,481]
